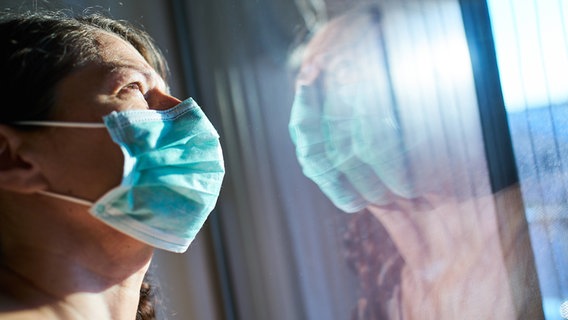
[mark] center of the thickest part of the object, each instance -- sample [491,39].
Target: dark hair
[37,50]
[373,257]
[148,299]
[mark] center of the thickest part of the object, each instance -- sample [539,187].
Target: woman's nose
[159,100]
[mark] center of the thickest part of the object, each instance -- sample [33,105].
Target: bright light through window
[531,40]
[532,51]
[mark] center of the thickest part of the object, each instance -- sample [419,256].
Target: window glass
[357,182]
[532,50]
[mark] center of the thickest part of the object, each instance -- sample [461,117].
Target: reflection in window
[386,121]
[532,50]
[286,247]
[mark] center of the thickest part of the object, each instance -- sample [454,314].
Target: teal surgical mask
[173,170]
[350,145]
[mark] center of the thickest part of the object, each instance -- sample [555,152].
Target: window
[532,51]
[285,251]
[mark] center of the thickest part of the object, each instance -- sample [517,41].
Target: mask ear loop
[66,198]
[61,124]
[88,125]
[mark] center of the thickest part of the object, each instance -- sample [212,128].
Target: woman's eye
[133,86]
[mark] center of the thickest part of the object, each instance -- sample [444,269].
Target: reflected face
[85,163]
[370,126]
[345,126]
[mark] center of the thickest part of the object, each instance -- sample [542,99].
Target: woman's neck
[64,290]
[65,262]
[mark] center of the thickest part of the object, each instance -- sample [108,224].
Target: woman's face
[85,163]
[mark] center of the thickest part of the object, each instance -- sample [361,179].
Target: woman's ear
[19,172]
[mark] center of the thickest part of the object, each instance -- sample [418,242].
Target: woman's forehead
[120,57]
[114,50]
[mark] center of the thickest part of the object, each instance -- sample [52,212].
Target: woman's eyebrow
[150,75]
[121,67]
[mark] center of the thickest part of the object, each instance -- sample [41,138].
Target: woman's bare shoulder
[24,315]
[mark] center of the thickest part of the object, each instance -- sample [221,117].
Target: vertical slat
[498,145]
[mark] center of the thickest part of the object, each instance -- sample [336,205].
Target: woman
[99,165]
[447,247]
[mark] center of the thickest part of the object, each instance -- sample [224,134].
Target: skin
[59,262]
[454,260]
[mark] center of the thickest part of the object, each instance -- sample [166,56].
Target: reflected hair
[335,37]
[372,255]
